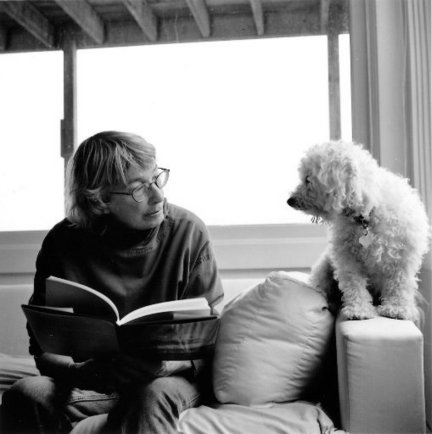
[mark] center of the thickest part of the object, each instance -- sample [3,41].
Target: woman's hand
[128,370]
[94,374]
[90,374]
[141,368]
[114,372]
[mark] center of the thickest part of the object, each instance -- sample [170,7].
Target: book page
[65,293]
[168,308]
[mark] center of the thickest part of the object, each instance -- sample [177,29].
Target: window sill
[237,248]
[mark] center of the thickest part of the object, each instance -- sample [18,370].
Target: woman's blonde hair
[99,163]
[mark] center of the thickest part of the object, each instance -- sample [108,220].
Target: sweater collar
[116,234]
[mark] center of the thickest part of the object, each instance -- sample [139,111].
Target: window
[231,119]
[31,169]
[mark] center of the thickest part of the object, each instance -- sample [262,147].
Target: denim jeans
[40,405]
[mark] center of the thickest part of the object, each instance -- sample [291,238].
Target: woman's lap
[33,402]
[39,401]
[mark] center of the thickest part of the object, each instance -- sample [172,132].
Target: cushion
[295,417]
[271,341]
[381,358]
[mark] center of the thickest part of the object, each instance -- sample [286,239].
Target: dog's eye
[307,180]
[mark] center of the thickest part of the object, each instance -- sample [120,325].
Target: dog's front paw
[365,311]
[398,312]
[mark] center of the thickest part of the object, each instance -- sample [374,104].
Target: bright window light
[31,169]
[230,119]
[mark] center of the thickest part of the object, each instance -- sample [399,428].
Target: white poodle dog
[379,231]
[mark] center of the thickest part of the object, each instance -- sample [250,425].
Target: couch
[371,372]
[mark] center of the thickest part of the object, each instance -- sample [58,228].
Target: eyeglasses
[141,192]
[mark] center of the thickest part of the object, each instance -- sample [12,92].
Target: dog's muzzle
[295,202]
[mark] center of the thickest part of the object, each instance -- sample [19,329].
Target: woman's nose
[156,194]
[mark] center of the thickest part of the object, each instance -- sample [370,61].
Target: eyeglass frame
[148,184]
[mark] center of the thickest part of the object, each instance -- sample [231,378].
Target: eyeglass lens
[162,178]
[160,181]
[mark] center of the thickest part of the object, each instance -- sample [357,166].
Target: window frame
[241,250]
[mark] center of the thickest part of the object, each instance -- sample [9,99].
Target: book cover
[174,330]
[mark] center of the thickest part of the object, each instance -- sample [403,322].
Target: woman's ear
[105,209]
[101,206]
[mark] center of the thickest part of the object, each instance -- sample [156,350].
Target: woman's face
[137,215]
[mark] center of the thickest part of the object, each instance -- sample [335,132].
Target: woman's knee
[174,392]
[39,389]
[26,403]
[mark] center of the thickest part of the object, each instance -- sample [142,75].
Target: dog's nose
[292,201]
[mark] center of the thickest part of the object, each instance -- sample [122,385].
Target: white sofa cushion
[381,376]
[295,417]
[271,341]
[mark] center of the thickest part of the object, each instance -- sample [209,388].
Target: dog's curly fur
[379,231]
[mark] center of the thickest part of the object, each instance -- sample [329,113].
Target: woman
[122,237]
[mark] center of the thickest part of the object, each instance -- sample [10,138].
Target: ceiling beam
[324,15]
[258,15]
[201,16]
[278,23]
[144,16]
[31,20]
[86,17]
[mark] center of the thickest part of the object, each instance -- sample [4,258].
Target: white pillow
[294,417]
[271,341]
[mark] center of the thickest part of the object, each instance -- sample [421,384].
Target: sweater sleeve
[204,279]
[46,265]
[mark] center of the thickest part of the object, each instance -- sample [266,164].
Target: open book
[68,294]
[67,324]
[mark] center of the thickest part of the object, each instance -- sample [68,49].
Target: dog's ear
[362,187]
[345,172]
[353,188]
[339,177]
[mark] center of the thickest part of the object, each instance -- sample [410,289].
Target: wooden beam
[69,121]
[144,16]
[86,17]
[324,15]
[334,85]
[286,22]
[3,38]
[201,16]
[258,15]
[31,19]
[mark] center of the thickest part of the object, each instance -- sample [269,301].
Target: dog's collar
[366,238]
[359,219]
[362,220]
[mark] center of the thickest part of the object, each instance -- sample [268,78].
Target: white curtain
[417,41]
[391,107]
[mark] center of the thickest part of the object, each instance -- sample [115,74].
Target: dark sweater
[133,268]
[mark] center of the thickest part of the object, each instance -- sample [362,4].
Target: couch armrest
[381,376]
